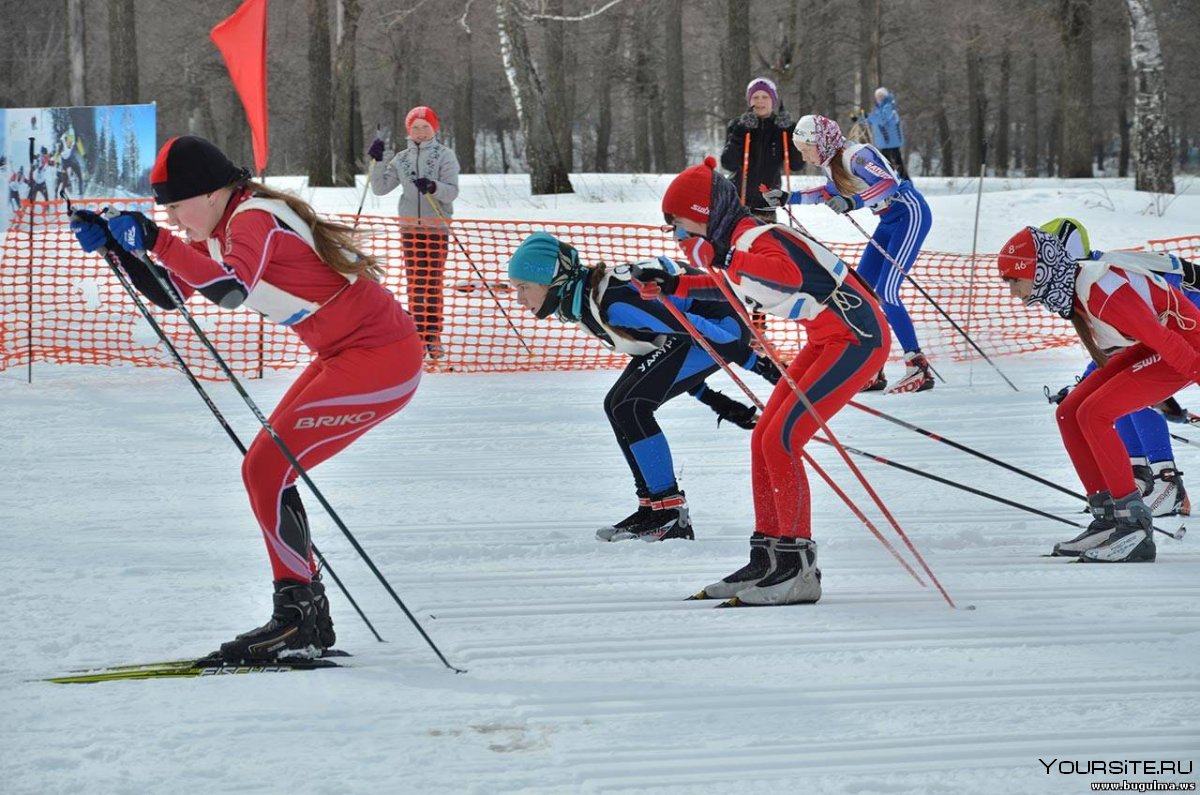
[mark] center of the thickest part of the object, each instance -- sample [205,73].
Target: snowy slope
[126,537]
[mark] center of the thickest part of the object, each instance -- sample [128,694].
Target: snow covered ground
[126,537]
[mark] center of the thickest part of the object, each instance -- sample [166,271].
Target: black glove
[1059,396]
[1173,412]
[375,151]
[839,204]
[134,232]
[726,408]
[425,185]
[653,272]
[766,368]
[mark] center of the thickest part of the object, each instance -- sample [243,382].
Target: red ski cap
[1018,257]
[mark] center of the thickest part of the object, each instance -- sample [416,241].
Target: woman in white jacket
[427,171]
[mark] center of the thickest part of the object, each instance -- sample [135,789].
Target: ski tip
[699,596]
[734,602]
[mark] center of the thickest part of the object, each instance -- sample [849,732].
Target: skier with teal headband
[549,279]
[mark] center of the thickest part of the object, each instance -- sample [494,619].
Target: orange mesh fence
[58,304]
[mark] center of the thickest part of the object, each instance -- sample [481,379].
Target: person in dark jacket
[769,129]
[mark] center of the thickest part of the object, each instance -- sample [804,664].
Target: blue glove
[375,152]
[839,204]
[425,185]
[90,230]
[134,232]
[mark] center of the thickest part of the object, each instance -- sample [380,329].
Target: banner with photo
[97,152]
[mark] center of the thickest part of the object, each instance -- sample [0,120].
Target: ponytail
[336,244]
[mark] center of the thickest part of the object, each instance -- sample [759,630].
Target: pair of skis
[211,665]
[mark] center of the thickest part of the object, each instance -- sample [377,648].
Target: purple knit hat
[763,84]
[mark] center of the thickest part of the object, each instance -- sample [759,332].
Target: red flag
[242,40]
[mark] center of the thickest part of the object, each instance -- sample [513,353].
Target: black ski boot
[291,631]
[762,560]
[1132,541]
[795,578]
[1102,527]
[630,523]
[669,519]
[326,637]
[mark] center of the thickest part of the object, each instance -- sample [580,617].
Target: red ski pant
[830,374]
[1133,379]
[425,270]
[334,401]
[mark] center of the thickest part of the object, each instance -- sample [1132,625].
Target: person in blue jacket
[886,129]
[666,362]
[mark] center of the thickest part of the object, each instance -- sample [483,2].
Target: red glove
[698,251]
[649,291]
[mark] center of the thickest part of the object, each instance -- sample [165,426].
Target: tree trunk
[976,103]
[122,53]
[547,172]
[347,129]
[675,145]
[643,95]
[1075,28]
[559,109]
[318,155]
[1055,137]
[943,125]
[604,91]
[1152,141]
[1032,145]
[76,53]
[736,52]
[870,12]
[464,106]
[1001,157]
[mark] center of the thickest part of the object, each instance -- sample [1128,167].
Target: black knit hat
[189,166]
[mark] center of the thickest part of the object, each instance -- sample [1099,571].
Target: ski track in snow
[128,540]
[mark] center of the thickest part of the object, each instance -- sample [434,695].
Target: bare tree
[870,14]
[1152,141]
[76,53]
[122,52]
[347,121]
[1001,157]
[1075,28]
[736,57]
[976,102]
[318,155]
[548,172]
[674,146]
[559,110]
[604,85]
[464,104]
[1032,148]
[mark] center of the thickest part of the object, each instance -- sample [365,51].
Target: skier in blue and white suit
[666,362]
[859,176]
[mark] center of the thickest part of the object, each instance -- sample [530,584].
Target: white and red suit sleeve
[1114,300]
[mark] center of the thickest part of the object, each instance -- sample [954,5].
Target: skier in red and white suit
[252,246]
[1114,302]
[781,272]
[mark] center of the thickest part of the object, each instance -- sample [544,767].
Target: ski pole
[929,298]
[362,200]
[716,357]
[974,263]
[964,448]
[437,208]
[212,407]
[787,162]
[285,450]
[745,165]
